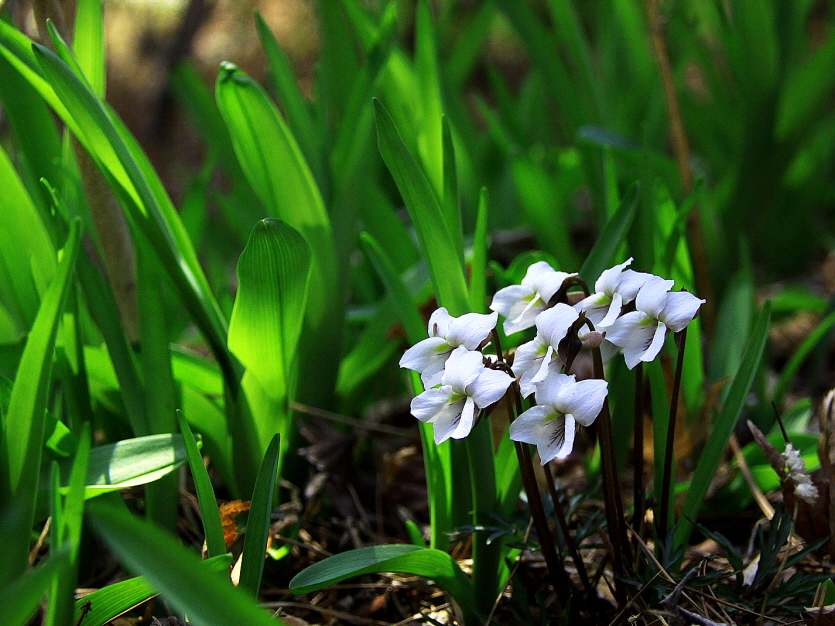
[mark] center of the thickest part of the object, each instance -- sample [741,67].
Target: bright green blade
[258,523]
[434,564]
[207,598]
[212,526]
[23,425]
[723,426]
[438,245]
[20,599]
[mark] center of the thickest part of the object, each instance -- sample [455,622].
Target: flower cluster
[630,312]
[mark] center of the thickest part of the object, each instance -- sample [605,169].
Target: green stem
[486,557]
[666,484]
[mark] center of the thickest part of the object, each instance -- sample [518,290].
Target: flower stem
[666,483]
[611,489]
[569,540]
[639,498]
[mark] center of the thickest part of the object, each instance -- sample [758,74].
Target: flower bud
[591,340]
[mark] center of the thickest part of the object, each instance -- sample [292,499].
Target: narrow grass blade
[289,95]
[611,237]
[478,264]
[68,532]
[724,425]
[799,355]
[434,564]
[88,43]
[24,241]
[212,527]
[110,602]
[425,210]
[258,524]
[190,587]
[21,597]
[23,425]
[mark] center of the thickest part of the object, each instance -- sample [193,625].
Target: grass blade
[724,424]
[258,526]
[190,587]
[22,440]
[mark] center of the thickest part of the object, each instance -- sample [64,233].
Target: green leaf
[408,559]
[212,526]
[478,265]
[266,322]
[88,43]
[23,425]
[20,599]
[24,245]
[109,602]
[613,234]
[437,243]
[189,587]
[258,522]
[724,424]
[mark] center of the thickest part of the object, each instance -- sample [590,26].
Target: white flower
[446,333]
[561,402]
[613,289]
[640,334]
[520,304]
[466,387]
[803,486]
[534,359]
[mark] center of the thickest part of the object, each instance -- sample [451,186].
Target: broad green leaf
[258,522]
[723,425]
[276,169]
[408,559]
[266,323]
[438,244]
[109,602]
[190,587]
[212,526]
[23,425]
[132,462]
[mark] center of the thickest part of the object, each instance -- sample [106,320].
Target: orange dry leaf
[228,513]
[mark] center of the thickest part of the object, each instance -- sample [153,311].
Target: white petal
[529,355]
[426,354]
[536,273]
[631,330]
[680,309]
[471,329]
[653,295]
[608,350]
[656,344]
[610,278]
[490,386]
[462,368]
[542,372]
[553,389]
[612,314]
[560,440]
[446,423]
[595,307]
[434,402]
[465,422]
[529,427]
[587,400]
[630,284]
[553,323]
[439,322]
[546,284]
[507,298]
